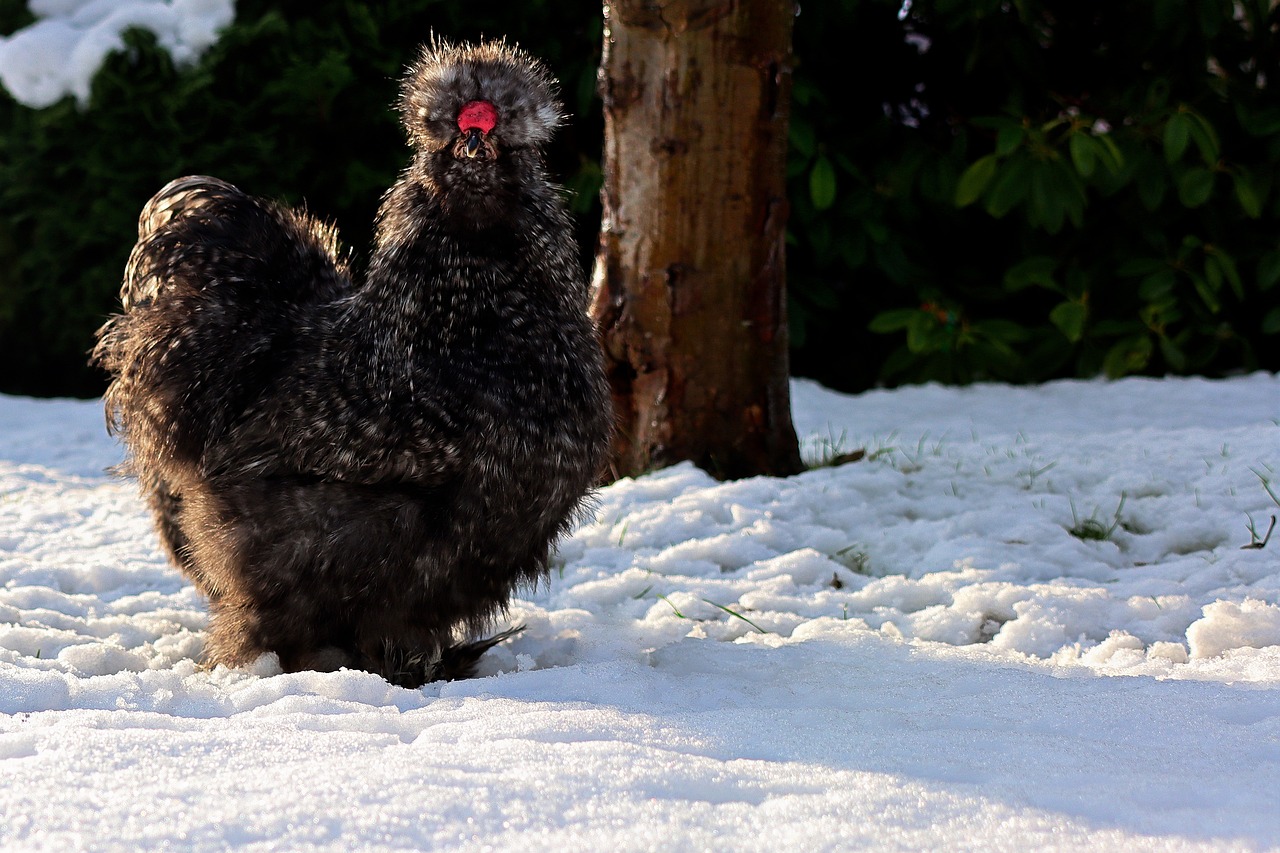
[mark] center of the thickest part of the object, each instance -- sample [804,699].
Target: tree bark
[690,278]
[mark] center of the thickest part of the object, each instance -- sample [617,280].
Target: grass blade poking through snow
[1266,484]
[737,615]
[674,609]
[733,613]
[1254,542]
[1091,528]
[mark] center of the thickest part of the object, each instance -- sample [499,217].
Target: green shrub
[1047,188]
[1011,191]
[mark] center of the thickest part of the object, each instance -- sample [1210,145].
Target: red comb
[480,114]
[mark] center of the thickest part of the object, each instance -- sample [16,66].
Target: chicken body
[360,473]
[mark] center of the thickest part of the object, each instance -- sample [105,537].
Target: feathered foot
[413,669]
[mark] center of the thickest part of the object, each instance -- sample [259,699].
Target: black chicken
[359,472]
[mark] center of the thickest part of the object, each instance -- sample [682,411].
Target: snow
[59,54]
[909,651]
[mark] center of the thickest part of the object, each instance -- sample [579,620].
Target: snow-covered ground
[59,54]
[910,651]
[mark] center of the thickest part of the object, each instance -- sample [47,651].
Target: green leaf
[1111,156]
[1256,121]
[1048,206]
[1083,156]
[1271,322]
[1068,187]
[1206,138]
[822,183]
[1128,356]
[1225,265]
[1009,189]
[802,136]
[1175,357]
[1177,133]
[802,91]
[1009,138]
[891,259]
[1207,292]
[1195,186]
[920,332]
[858,203]
[1151,190]
[1000,331]
[1069,317]
[1268,270]
[1160,313]
[876,230]
[892,321]
[1158,285]
[847,166]
[1213,273]
[1247,194]
[975,180]
[1036,271]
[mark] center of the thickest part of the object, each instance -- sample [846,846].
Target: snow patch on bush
[61,52]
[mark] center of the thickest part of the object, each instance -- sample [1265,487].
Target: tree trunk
[689,287]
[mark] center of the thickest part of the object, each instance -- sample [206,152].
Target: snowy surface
[59,54]
[910,651]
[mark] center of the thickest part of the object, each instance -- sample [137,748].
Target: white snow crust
[906,652]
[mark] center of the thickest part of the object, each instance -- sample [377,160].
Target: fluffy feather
[359,471]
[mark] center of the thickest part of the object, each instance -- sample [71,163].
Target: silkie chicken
[359,471]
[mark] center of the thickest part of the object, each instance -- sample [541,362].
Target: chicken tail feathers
[214,293]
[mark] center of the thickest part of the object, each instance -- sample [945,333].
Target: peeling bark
[690,279]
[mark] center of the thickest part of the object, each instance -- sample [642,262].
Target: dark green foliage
[293,103]
[14,15]
[1049,188]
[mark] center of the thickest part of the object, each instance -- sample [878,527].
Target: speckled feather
[360,472]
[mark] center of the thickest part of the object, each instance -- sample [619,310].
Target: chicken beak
[474,138]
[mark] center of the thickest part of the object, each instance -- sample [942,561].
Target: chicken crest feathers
[448,76]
